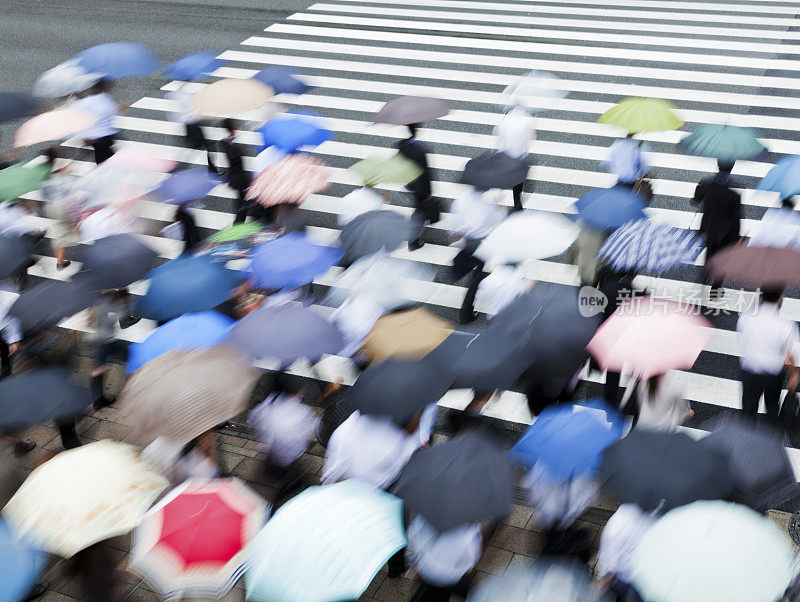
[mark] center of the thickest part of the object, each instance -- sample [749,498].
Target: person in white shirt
[185,114]
[10,330]
[620,537]
[626,160]
[779,227]
[501,287]
[661,402]
[361,200]
[514,132]
[768,344]
[102,133]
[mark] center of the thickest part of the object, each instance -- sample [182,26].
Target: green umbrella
[236,232]
[724,142]
[18,180]
[637,115]
[397,170]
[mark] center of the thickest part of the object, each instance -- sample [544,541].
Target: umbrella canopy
[182,394]
[116,261]
[115,60]
[15,254]
[290,261]
[283,80]
[197,65]
[109,221]
[115,181]
[643,245]
[83,496]
[530,88]
[16,105]
[290,180]
[237,241]
[465,480]
[784,178]
[494,170]
[528,235]
[648,336]
[38,396]
[372,231]
[661,471]
[713,551]
[610,208]
[187,332]
[19,179]
[723,142]
[52,125]
[398,389]
[325,544]
[231,97]
[637,115]
[20,565]
[762,267]
[184,285]
[135,159]
[397,169]
[290,133]
[46,304]
[64,79]
[187,185]
[192,543]
[287,332]
[405,335]
[412,109]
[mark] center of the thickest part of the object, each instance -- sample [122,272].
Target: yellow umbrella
[637,115]
[231,97]
[405,335]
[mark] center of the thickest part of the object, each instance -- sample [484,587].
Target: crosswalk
[718,62]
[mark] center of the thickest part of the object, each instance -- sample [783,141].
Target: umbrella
[783,178]
[64,79]
[187,332]
[397,169]
[528,235]
[119,59]
[187,185]
[762,267]
[644,245]
[405,335]
[46,304]
[287,332]
[412,109]
[237,241]
[231,97]
[290,261]
[20,565]
[465,480]
[192,543]
[283,80]
[38,396]
[531,87]
[116,261]
[194,66]
[136,159]
[650,336]
[52,125]
[661,471]
[494,170]
[398,389]
[638,115]
[182,394]
[184,285]
[18,179]
[15,254]
[16,105]
[713,551]
[610,208]
[372,231]
[569,439]
[723,142]
[290,180]
[109,221]
[83,496]
[290,133]
[325,544]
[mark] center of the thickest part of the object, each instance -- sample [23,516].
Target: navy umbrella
[283,80]
[494,170]
[194,66]
[16,105]
[187,185]
[46,304]
[116,261]
[15,254]
[372,231]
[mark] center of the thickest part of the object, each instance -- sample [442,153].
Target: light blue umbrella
[325,545]
[609,208]
[194,66]
[20,565]
[119,59]
[290,133]
[290,261]
[187,185]
[784,178]
[723,142]
[187,332]
[283,80]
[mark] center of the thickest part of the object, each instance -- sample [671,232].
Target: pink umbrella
[649,336]
[136,159]
[52,125]
[290,180]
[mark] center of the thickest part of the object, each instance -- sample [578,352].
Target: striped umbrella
[192,542]
[642,245]
[290,180]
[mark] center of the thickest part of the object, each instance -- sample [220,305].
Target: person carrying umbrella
[238,177]
[661,403]
[97,101]
[514,133]
[426,210]
[779,227]
[618,541]
[63,206]
[626,160]
[194,138]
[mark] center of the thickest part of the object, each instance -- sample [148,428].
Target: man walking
[426,210]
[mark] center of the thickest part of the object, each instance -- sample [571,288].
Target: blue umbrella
[187,332]
[194,66]
[185,285]
[609,208]
[20,565]
[646,246]
[282,80]
[119,59]
[187,185]
[568,439]
[783,178]
[289,134]
[291,261]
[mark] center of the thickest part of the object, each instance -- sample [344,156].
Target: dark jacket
[722,212]
[416,151]
[191,235]
[237,176]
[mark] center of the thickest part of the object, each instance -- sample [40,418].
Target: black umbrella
[467,479]
[15,254]
[16,105]
[48,303]
[372,231]
[38,396]
[116,262]
[398,389]
[661,471]
[494,170]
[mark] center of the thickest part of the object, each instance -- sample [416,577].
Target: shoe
[65,264]
[37,592]
[23,447]
[104,402]
[415,245]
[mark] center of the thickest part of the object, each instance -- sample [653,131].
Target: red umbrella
[290,180]
[192,542]
[764,267]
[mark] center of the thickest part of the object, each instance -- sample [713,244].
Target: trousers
[754,386]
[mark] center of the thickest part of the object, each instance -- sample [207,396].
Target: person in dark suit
[191,234]
[238,177]
[426,210]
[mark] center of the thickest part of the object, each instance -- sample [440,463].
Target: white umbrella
[529,88]
[64,79]
[116,182]
[106,222]
[528,235]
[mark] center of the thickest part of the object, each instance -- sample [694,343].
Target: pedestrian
[779,227]
[426,210]
[661,403]
[584,251]
[194,138]
[237,176]
[504,284]
[767,347]
[177,462]
[626,161]
[10,330]
[618,541]
[112,308]
[514,133]
[63,206]
[97,101]
[190,233]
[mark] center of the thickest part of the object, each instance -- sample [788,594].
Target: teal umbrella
[723,142]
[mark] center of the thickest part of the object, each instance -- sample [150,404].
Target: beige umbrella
[231,97]
[84,496]
[52,125]
[182,394]
[405,335]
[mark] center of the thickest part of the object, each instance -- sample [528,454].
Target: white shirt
[622,533]
[357,202]
[777,228]
[766,339]
[442,559]
[514,133]
[285,426]
[499,288]
[626,161]
[183,113]
[10,327]
[558,503]
[15,220]
[473,215]
[354,319]
[667,409]
[105,108]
